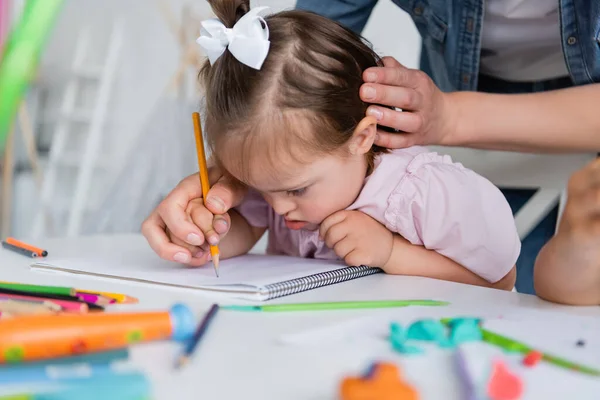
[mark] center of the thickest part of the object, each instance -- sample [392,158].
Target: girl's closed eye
[297,192]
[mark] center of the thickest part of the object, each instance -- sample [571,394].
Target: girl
[285,119]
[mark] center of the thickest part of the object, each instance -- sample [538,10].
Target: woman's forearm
[566,120]
[409,259]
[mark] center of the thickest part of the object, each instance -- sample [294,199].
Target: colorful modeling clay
[381,382]
[465,330]
[503,384]
[430,330]
[532,358]
[398,340]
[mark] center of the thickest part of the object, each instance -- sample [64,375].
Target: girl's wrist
[399,246]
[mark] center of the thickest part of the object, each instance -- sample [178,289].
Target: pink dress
[427,199]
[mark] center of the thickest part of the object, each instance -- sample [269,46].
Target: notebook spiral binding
[316,280]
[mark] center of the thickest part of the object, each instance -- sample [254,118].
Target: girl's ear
[363,136]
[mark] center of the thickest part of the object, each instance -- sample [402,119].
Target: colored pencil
[63,305]
[20,250]
[514,346]
[214,250]
[18,243]
[25,308]
[200,331]
[38,289]
[22,299]
[91,306]
[118,297]
[94,298]
[341,305]
[469,390]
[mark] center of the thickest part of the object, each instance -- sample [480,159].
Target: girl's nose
[282,205]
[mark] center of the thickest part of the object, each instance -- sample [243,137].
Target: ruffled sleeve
[461,215]
[254,209]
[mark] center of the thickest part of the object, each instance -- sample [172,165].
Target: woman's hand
[425,119]
[173,228]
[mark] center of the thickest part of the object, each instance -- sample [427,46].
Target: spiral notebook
[252,276]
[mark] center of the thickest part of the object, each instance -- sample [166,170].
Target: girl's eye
[296,192]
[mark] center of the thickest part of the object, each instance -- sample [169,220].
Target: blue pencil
[193,343]
[470,392]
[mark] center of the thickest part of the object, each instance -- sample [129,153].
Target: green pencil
[340,305]
[514,346]
[38,289]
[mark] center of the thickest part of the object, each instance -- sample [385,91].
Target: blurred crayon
[118,297]
[62,305]
[38,289]
[94,298]
[20,250]
[21,308]
[52,297]
[23,245]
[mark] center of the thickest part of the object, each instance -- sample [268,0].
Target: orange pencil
[23,245]
[214,250]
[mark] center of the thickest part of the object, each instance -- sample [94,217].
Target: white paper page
[135,260]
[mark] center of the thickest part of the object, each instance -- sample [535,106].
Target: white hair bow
[248,40]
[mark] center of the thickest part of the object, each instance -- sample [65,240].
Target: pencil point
[215,261]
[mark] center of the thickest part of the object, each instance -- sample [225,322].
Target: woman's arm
[554,121]
[409,259]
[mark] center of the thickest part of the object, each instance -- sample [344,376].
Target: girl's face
[305,193]
[304,187]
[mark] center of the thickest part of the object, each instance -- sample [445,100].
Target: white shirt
[521,40]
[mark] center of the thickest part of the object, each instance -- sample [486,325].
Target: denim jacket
[451,33]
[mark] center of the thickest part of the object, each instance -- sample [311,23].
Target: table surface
[243,357]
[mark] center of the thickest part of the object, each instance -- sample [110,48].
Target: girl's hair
[307,91]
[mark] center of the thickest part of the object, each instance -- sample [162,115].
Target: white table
[241,357]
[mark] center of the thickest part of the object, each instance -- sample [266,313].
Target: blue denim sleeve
[353,14]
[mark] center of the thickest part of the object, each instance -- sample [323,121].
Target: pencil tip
[215,261]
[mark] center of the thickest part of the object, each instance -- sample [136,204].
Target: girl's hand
[357,238]
[170,229]
[426,118]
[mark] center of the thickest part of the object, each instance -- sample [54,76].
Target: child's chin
[311,227]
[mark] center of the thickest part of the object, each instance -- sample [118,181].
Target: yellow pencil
[214,250]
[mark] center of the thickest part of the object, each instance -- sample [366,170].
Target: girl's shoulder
[410,160]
